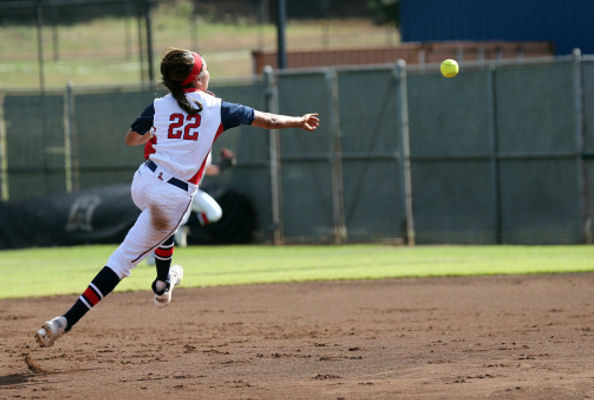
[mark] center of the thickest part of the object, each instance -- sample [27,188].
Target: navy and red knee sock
[106,280]
[103,283]
[163,257]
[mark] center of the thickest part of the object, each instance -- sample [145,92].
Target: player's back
[184,140]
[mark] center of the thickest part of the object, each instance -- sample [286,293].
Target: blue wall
[566,23]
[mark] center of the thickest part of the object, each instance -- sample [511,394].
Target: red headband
[196,69]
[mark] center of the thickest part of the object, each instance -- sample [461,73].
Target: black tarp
[104,215]
[237,225]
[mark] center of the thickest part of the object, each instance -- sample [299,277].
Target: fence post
[336,184]
[194,26]
[580,132]
[68,118]
[281,21]
[3,154]
[271,91]
[39,22]
[140,38]
[148,24]
[403,131]
[494,151]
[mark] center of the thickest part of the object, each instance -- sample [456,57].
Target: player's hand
[226,153]
[228,157]
[310,122]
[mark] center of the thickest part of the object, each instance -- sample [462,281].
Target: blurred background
[502,153]
[110,41]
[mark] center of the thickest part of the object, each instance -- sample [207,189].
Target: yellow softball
[449,68]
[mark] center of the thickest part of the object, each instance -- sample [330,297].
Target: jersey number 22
[190,124]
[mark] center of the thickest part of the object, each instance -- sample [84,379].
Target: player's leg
[167,276]
[163,212]
[163,257]
[166,212]
[103,283]
[206,208]
[155,224]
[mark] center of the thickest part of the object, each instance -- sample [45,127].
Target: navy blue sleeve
[233,115]
[144,122]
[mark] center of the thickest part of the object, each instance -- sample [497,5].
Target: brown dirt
[519,337]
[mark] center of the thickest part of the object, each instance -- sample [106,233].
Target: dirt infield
[520,337]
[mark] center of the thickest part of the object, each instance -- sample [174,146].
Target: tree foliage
[385,11]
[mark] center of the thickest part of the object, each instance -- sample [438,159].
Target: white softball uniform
[184,141]
[164,186]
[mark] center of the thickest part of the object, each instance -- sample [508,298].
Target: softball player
[186,122]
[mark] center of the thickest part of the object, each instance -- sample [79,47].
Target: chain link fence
[500,154]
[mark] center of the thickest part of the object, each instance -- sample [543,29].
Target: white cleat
[176,273]
[50,331]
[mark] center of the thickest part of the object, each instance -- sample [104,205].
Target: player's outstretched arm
[308,122]
[134,138]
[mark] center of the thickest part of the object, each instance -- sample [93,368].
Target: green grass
[49,271]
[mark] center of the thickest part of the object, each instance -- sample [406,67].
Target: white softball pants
[162,206]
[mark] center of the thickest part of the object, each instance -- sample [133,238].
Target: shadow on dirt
[14,379]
